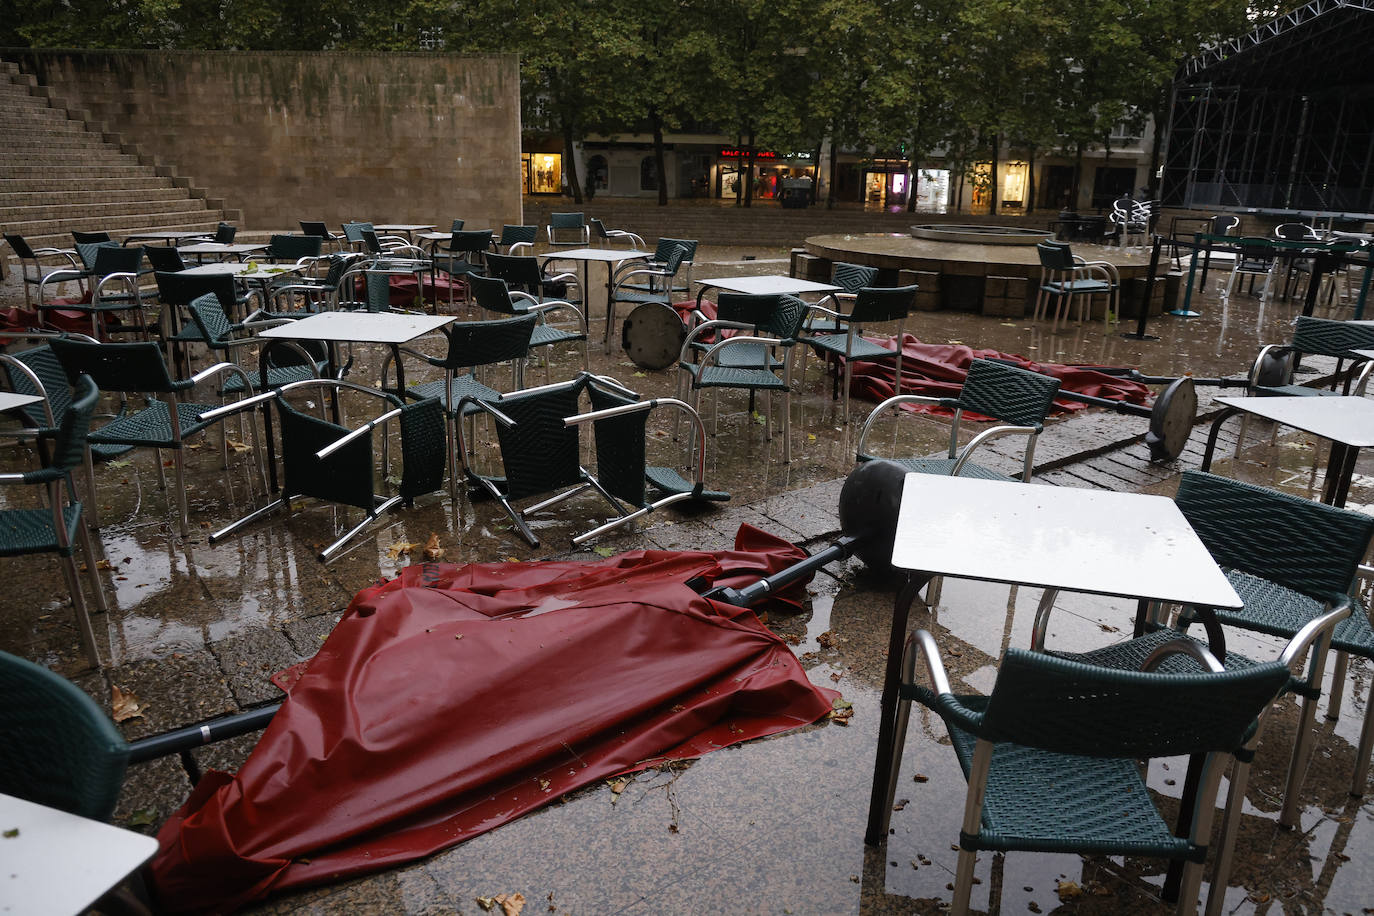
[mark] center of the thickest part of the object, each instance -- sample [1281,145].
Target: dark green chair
[473,344]
[1315,337]
[293,248]
[465,254]
[60,749]
[131,368]
[847,345]
[610,236]
[682,280]
[1292,561]
[524,273]
[32,270]
[223,336]
[850,278]
[643,283]
[1052,756]
[332,463]
[57,526]
[315,293]
[164,258]
[494,296]
[114,273]
[313,227]
[750,360]
[37,371]
[1016,397]
[540,453]
[619,419]
[513,238]
[568,229]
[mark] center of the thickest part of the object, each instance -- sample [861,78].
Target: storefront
[541,172]
[932,190]
[770,170]
[886,182]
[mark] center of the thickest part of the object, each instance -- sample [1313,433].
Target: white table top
[768,285]
[1095,541]
[220,248]
[1347,420]
[609,255]
[10,400]
[169,236]
[244,269]
[59,863]
[359,327]
[434,236]
[402,227]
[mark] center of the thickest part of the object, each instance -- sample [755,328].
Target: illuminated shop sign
[733,152]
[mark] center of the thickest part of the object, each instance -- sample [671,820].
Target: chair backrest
[1329,337]
[1298,543]
[566,220]
[665,247]
[208,315]
[1008,393]
[457,225]
[115,366]
[309,227]
[517,270]
[1055,704]
[164,258]
[852,277]
[676,255]
[224,233]
[540,454]
[74,425]
[599,228]
[60,748]
[21,247]
[344,477]
[746,308]
[1295,232]
[483,343]
[1255,254]
[354,232]
[87,251]
[786,320]
[294,247]
[470,240]
[620,447]
[181,288]
[43,363]
[883,303]
[424,448]
[114,259]
[86,238]
[371,243]
[511,235]
[491,294]
[1223,223]
[377,287]
[1054,256]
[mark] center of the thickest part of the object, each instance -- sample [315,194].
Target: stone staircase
[60,173]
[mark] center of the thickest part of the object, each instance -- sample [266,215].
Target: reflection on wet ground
[774,826]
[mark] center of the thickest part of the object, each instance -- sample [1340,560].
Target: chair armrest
[896,401]
[1317,631]
[548,305]
[925,648]
[987,435]
[1182,646]
[219,369]
[356,433]
[518,245]
[1252,377]
[225,410]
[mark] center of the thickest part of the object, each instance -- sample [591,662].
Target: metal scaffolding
[1280,119]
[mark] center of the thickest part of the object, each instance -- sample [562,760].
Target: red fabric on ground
[453,699]
[938,370]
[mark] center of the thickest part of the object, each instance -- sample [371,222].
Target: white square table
[58,863]
[171,237]
[408,228]
[237,250]
[1348,422]
[9,400]
[1128,544]
[333,328]
[768,284]
[611,257]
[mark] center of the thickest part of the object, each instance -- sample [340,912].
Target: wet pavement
[774,826]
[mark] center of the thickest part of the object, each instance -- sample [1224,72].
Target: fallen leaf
[835,676]
[235,446]
[920,777]
[510,904]
[841,711]
[118,463]
[11,833]
[602,551]
[1068,890]
[810,437]
[901,804]
[617,786]
[432,549]
[826,640]
[125,705]
[394,480]
[144,817]
[543,785]
[400,547]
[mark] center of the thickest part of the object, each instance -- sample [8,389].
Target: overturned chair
[330,462]
[538,433]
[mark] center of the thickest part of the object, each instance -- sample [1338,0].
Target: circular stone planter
[981,235]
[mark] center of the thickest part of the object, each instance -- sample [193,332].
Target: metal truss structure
[1279,119]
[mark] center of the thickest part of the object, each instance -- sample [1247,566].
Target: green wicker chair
[682,280]
[472,344]
[622,467]
[850,278]
[321,229]
[524,273]
[332,463]
[32,270]
[293,248]
[568,229]
[114,273]
[1291,560]
[641,283]
[513,238]
[60,749]
[221,335]
[1317,337]
[138,367]
[609,236]
[37,371]
[465,254]
[871,305]
[540,453]
[494,296]
[317,293]
[747,361]
[57,525]
[1052,755]
[1065,277]
[1006,393]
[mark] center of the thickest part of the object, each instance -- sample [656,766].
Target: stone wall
[397,138]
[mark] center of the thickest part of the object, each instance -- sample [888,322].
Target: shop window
[598,173]
[648,174]
[545,173]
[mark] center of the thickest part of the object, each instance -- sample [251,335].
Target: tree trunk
[1077,178]
[816,172]
[913,187]
[657,122]
[959,194]
[1156,151]
[830,191]
[570,164]
[992,176]
[749,174]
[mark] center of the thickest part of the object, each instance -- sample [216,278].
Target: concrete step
[189,219]
[19,115]
[39,131]
[53,198]
[62,184]
[41,172]
[93,209]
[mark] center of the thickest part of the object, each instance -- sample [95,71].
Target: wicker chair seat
[734,377]
[945,467]
[30,531]
[152,425]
